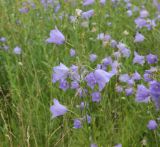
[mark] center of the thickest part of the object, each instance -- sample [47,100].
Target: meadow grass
[26,89]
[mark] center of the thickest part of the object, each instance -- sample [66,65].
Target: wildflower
[144,13]
[61,72]
[57,8]
[107,61]
[87,14]
[64,85]
[129,13]
[102,2]
[113,43]
[24,10]
[17,50]
[151,59]
[72,52]
[74,85]
[91,80]
[93,57]
[125,51]
[100,36]
[124,77]
[147,77]
[130,82]
[129,91]
[77,124]
[88,2]
[102,77]
[3,39]
[139,38]
[118,145]
[152,125]
[136,76]
[74,75]
[93,145]
[57,109]
[56,37]
[155,93]
[82,105]
[96,96]
[142,94]
[138,59]
[140,22]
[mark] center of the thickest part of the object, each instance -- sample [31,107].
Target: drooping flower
[77,124]
[82,105]
[57,109]
[88,2]
[56,37]
[107,61]
[139,37]
[93,145]
[136,76]
[113,43]
[56,9]
[118,145]
[152,125]
[91,80]
[93,57]
[138,59]
[124,77]
[24,10]
[102,77]
[142,94]
[140,22]
[64,85]
[129,91]
[3,39]
[115,65]
[102,2]
[124,50]
[72,52]
[17,50]
[129,13]
[74,85]
[151,59]
[96,96]
[100,36]
[144,13]
[61,72]
[74,74]
[87,14]
[147,77]
[155,93]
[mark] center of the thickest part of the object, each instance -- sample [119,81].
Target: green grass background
[26,90]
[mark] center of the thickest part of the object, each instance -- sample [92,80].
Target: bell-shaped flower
[57,109]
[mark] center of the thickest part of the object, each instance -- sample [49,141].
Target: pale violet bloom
[88,2]
[138,59]
[139,37]
[87,14]
[152,125]
[102,77]
[56,37]
[142,94]
[61,72]
[57,109]
[17,50]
